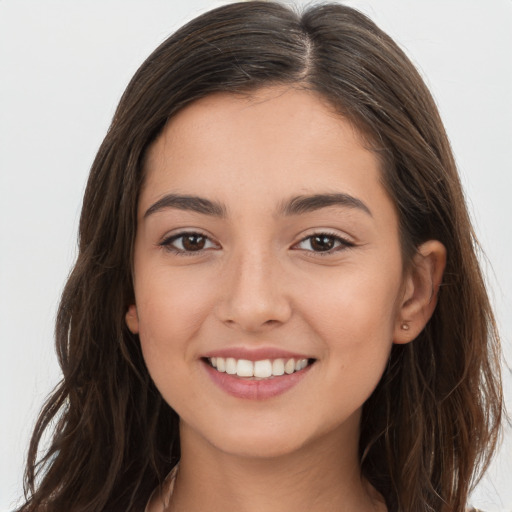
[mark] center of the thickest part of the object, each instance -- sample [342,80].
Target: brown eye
[324,243]
[193,242]
[187,243]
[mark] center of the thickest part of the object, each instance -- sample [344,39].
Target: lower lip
[240,387]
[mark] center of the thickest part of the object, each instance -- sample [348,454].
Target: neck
[323,476]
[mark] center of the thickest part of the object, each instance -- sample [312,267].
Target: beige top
[160,497]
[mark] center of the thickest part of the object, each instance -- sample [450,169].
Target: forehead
[274,141]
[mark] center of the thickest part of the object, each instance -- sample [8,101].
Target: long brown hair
[432,423]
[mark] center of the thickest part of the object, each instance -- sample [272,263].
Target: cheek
[353,316]
[171,308]
[355,301]
[176,299]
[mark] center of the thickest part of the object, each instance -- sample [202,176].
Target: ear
[132,319]
[421,288]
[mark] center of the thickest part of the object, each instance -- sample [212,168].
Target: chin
[245,440]
[265,446]
[274,439]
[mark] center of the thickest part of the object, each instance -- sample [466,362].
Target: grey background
[63,67]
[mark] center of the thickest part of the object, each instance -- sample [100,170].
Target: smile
[255,378]
[262,369]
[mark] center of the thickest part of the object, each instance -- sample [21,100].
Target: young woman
[277,303]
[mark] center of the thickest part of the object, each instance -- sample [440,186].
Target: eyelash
[168,242]
[343,243]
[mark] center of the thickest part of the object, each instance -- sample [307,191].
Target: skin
[259,281]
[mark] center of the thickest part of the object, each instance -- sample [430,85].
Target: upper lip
[255,354]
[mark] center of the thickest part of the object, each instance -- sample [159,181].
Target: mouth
[263,369]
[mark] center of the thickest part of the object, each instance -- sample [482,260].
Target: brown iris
[322,242]
[193,242]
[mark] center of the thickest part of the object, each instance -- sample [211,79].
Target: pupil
[193,242]
[322,243]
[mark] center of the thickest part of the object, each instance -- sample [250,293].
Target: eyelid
[166,242]
[345,242]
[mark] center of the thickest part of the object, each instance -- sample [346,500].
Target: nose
[254,295]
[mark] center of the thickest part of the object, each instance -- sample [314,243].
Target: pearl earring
[404,326]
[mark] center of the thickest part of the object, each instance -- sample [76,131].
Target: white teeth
[277,367]
[300,364]
[221,364]
[244,368]
[262,369]
[289,366]
[231,366]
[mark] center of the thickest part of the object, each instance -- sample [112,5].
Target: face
[266,246]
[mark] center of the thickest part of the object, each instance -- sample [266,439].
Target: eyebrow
[304,204]
[295,206]
[190,203]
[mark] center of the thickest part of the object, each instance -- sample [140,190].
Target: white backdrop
[63,67]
